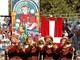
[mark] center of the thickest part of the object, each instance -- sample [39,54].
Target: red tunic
[26,53]
[48,53]
[15,52]
[25,17]
[16,58]
[32,53]
[66,53]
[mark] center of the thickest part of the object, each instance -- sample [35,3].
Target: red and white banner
[52,28]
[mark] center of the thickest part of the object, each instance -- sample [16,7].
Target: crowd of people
[42,50]
[72,31]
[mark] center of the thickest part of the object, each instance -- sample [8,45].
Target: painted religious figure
[25,18]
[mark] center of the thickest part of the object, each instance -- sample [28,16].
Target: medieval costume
[31,53]
[66,51]
[48,53]
[31,49]
[14,51]
[48,50]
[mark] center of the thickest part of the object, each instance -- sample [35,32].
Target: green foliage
[59,7]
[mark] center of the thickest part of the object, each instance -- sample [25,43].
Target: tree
[59,7]
[74,4]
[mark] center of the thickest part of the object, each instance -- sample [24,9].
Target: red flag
[58,27]
[44,26]
[52,28]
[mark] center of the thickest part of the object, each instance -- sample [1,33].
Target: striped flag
[52,28]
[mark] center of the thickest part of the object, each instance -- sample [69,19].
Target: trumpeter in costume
[48,50]
[62,42]
[14,51]
[66,52]
[31,50]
